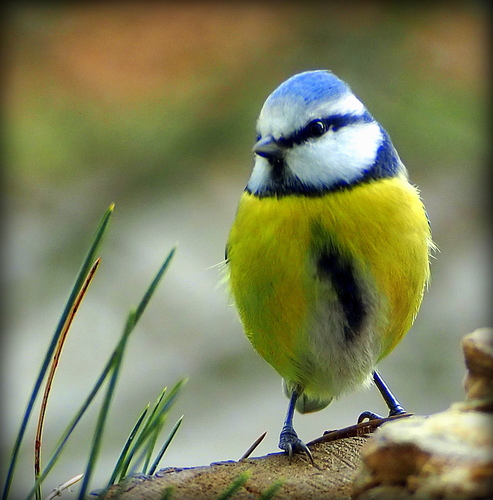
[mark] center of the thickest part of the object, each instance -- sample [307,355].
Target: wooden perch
[448,455]
[336,465]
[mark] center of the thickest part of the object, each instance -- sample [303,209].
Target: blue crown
[311,86]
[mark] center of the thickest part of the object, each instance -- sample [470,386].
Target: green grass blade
[162,451]
[72,425]
[166,402]
[271,490]
[235,485]
[161,410]
[151,442]
[153,426]
[155,282]
[140,440]
[103,413]
[167,493]
[86,265]
[127,445]
[150,448]
[133,319]
[154,411]
[158,417]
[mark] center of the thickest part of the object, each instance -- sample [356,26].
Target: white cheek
[260,174]
[338,156]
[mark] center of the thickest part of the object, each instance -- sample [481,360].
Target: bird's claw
[368,415]
[291,444]
[398,410]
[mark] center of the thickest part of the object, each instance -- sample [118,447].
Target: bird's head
[314,135]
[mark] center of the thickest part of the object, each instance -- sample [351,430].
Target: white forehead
[306,96]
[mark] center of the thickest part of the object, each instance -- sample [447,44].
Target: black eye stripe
[313,130]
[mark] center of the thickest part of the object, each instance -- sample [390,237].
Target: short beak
[268,147]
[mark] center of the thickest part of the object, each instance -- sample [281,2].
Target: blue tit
[328,255]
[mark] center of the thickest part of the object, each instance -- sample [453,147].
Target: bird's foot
[291,443]
[369,415]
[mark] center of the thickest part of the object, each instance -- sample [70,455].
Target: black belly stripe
[340,272]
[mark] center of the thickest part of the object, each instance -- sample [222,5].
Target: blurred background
[153,106]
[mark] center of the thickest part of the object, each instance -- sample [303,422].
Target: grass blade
[167,493]
[145,432]
[87,263]
[126,447]
[152,427]
[77,417]
[51,375]
[154,412]
[103,413]
[155,282]
[235,485]
[272,490]
[159,456]
[150,448]
[132,320]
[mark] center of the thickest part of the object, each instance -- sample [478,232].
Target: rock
[448,455]
[478,351]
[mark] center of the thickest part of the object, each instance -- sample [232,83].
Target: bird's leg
[289,440]
[395,408]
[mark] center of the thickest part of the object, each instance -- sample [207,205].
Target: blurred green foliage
[66,122]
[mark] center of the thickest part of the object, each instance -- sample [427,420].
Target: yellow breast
[381,226]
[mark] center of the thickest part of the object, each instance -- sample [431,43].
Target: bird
[328,256]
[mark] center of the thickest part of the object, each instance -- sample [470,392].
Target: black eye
[316,128]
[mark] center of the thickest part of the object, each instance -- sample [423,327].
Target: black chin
[278,172]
